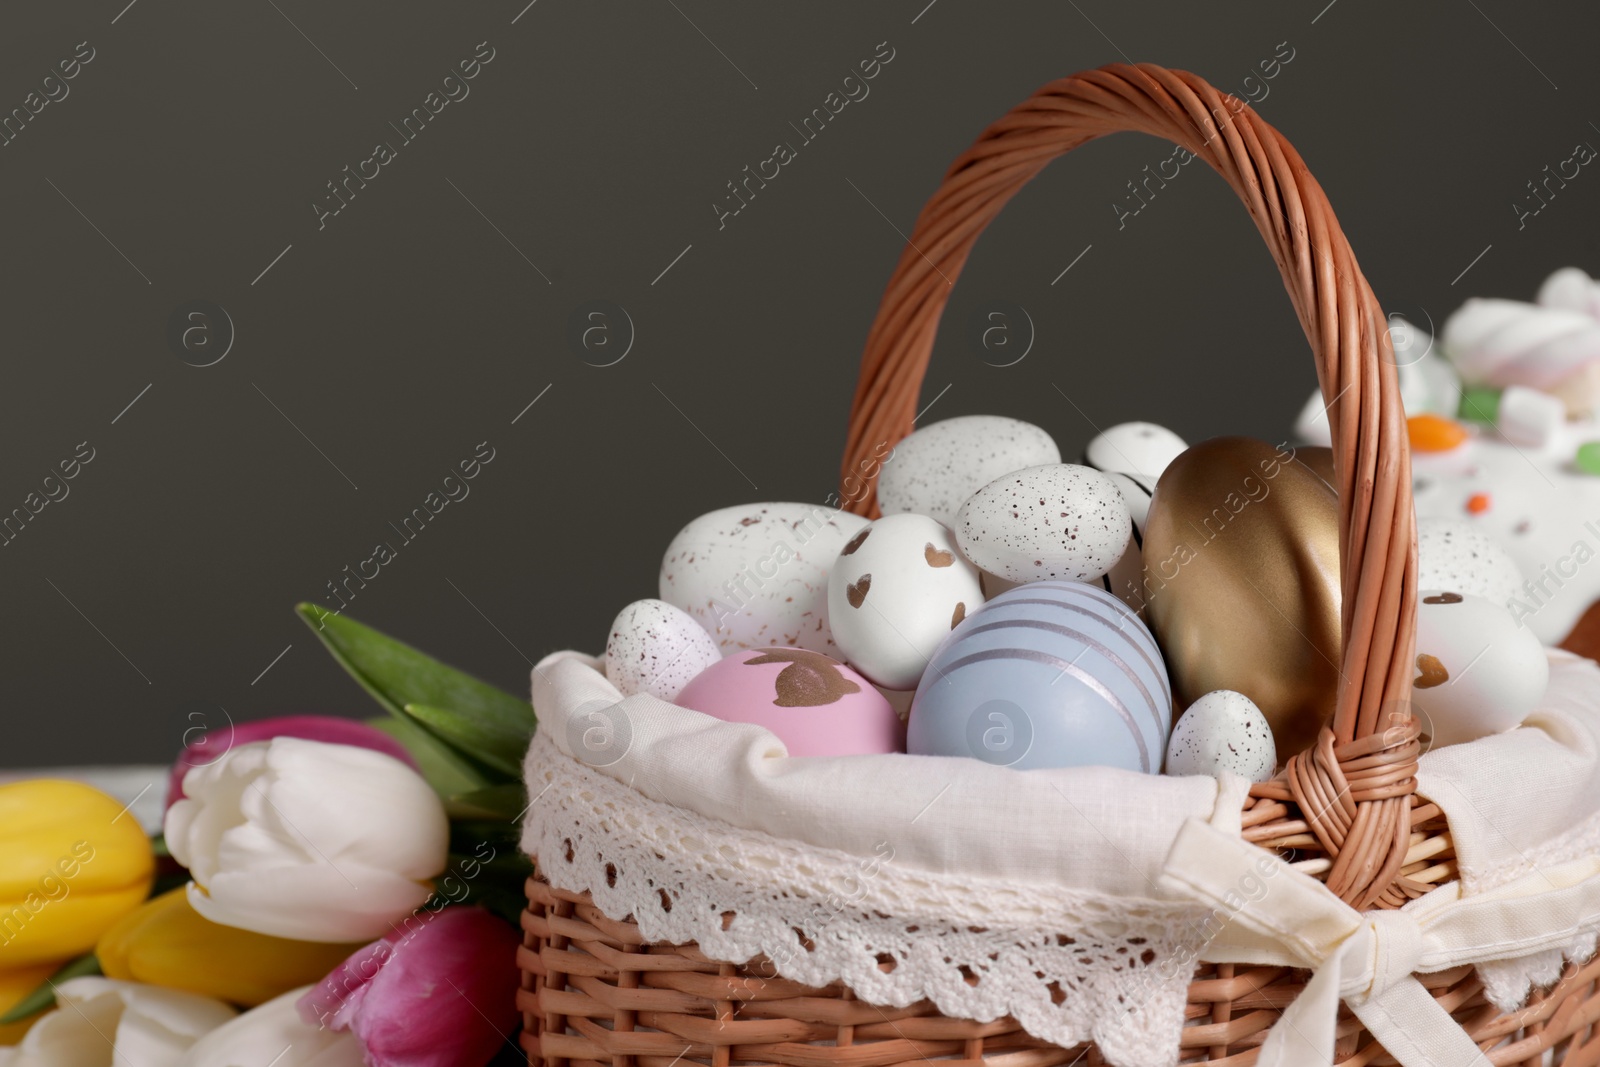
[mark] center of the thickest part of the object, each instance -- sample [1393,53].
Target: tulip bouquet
[324,892]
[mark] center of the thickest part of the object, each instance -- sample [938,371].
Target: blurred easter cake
[1504,415]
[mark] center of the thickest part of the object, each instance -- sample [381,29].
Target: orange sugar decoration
[1434,433]
[1478,503]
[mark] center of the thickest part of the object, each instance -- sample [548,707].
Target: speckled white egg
[1478,672]
[655,648]
[1056,521]
[935,469]
[1138,448]
[896,591]
[1126,577]
[756,576]
[1221,732]
[1454,554]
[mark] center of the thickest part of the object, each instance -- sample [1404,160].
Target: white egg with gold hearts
[1478,672]
[896,591]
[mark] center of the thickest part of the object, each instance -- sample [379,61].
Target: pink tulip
[204,744]
[441,993]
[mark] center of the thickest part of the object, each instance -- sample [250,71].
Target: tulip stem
[44,997]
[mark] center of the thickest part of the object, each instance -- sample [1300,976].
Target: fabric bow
[1265,912]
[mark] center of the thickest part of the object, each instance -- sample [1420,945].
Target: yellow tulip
[167,943]
[16,984]
[72,862]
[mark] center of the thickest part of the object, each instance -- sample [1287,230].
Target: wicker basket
[594,991]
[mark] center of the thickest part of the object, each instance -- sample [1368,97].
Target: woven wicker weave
[1350,797]
[595,992]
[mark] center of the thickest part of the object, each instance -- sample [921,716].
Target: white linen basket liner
[989,891]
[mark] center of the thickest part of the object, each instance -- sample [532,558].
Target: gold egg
[1241,580]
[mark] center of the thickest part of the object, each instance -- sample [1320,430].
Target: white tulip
[307,840]
[101,1022]
[273,1035]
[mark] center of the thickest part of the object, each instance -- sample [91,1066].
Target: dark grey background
[416,324]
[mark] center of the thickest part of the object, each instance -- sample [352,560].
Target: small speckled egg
[1126,576]
[1454,554]
[1142,449]
[936,468]
[655,648]
[1223,731]
[757,575]
[1478,671]
[896,591]
[1057,521]
[1050,674]
[814,704]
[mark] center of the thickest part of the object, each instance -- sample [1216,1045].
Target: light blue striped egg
[1049,674]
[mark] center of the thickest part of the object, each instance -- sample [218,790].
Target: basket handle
[1355,787]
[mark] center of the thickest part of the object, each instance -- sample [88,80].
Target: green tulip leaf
[494,744]
[446,770]
[496,804]
[44,997]
[488,726]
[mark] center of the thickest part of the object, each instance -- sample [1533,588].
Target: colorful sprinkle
[1479,404]
[1588,457]
[1478,503]
[1435,433]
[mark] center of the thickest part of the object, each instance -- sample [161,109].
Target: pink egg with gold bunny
[816,705]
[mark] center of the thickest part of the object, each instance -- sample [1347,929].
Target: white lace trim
[1119,967]
[1070,965]
[1507,984]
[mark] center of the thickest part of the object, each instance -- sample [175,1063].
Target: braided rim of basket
[1354,788]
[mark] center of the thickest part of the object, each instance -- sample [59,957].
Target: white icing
[1542,510]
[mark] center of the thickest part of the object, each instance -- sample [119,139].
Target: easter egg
[1050,674]
[1138,448]
[655,648]
[1223,732]
[1454,554]
[1241,556]
[814,704]
[896,590]
[1478,671]
[757,575]
[935,469]
[1319,461]
[1039,523]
